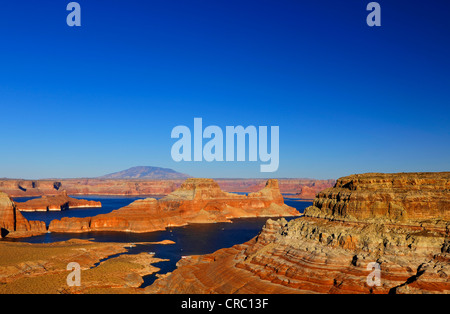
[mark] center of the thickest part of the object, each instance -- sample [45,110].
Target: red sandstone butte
[13,224]
[55,203]
[196,201]
[400,221]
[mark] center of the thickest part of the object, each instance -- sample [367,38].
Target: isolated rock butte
[12,222]
[55,203]
[400,221]
[196,201]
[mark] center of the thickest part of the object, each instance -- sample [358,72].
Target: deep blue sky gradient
[83,102]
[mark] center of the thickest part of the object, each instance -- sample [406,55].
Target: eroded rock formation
[55,203]
[12,222]
[399,221]
[196,201]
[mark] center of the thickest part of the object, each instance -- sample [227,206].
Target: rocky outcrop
[196,201]
[12,222]
[55,203]
[397,222]
[136,187]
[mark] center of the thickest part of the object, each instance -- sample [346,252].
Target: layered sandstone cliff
[55,203]
[12,222]
[196,201]
[399,221]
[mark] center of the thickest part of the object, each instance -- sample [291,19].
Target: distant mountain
[144,172]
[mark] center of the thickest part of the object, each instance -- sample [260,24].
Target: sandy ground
[42,268]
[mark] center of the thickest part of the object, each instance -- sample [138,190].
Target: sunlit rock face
[55,203]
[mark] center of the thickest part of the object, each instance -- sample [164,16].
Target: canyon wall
[301,188]
[196,201]
[397,222]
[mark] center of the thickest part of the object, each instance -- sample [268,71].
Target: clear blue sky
[83,102]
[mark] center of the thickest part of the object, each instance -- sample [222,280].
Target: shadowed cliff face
[13,224]
[196,201]
[400,221]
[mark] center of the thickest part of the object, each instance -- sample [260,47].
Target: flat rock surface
[42,268]
[196,201]
[55,203]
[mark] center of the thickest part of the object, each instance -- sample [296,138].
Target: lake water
[109,203]
[189,240]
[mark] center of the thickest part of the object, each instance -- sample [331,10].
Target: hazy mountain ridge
[146,172]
